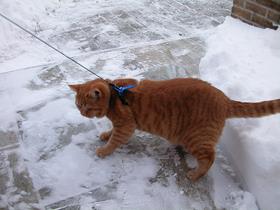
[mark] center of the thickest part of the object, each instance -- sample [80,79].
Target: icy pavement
[47,157]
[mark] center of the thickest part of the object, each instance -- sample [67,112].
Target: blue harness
[121,92]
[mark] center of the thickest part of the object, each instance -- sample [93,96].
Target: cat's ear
[75,87]
[96,93]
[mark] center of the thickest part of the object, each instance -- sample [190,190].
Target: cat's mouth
[91,113]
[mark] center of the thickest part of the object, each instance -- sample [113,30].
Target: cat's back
[173,85]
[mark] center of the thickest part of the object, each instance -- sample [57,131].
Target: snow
[244,62]
[15,43]
[236,198]
[15,96]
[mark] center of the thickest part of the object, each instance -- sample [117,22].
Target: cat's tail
[258,109]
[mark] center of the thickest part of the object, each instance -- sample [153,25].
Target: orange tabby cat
[187,112]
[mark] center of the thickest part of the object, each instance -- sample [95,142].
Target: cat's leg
[201,145]
[205,159]
[119,136]
[105,136]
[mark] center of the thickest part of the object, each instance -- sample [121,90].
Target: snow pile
[244,62]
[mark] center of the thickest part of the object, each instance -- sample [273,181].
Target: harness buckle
[121,91]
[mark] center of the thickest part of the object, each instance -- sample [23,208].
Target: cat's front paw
[105,136]
[102,152]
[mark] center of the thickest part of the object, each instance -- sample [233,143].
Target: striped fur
[187,112]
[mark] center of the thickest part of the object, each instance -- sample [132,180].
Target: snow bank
[244,62]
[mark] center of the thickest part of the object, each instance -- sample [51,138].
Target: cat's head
[92,98]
